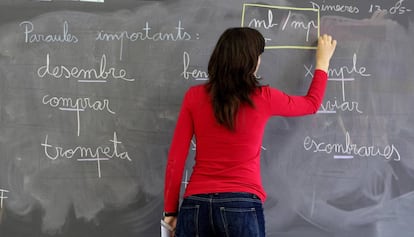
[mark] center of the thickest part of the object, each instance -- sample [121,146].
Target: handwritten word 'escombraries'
[82,74]
[77,105]
[31,37]
[349,149]
[3,196]
[84,154]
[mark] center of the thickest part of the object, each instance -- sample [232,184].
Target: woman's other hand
[172,222]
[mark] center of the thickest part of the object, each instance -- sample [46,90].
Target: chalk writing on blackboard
[323,7]
[3,196]
[77,105]
[88,75]
[342,74]
[185,181]
[31,37]
[192,73]
[397,9]
[271,20]
[145,34]
[97,154]
[349,149]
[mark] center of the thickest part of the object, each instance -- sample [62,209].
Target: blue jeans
[221,214]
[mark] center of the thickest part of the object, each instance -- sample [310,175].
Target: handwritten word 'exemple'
[83,75]
[83,153]
[349,149]
[3,196]
[342,74]
[31,37]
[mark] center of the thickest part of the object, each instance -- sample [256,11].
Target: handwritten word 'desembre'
[90,75]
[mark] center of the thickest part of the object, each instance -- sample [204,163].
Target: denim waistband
[225,197]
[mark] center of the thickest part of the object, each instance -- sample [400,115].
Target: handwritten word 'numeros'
[195,73]
[349,149]
[3,196]
[82,153]
[76,105]
[90,75]
[30,37]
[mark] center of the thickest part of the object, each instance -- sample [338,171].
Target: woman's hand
[324,52]
[171,221]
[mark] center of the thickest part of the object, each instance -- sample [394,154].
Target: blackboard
[90,92]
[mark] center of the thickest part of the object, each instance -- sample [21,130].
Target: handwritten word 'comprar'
[80,104]
[91,74]
[351,149]
[76,105]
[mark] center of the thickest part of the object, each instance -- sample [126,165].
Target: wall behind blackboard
[89,96]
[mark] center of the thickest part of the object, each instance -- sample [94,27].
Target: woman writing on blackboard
[227,116]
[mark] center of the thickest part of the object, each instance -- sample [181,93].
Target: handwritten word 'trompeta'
[54,152]
[86,154]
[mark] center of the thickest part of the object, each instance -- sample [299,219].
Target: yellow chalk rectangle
[251,5]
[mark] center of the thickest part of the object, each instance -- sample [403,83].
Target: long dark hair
[231,71]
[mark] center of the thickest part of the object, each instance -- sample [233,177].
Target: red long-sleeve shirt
[229,161]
